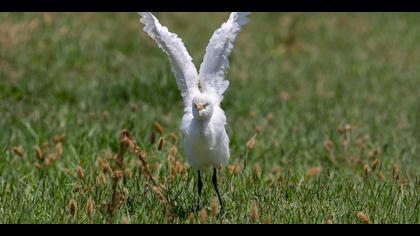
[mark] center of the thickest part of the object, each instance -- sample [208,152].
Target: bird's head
[202,107]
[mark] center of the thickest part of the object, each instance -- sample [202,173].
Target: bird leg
[200,187]
[214,180]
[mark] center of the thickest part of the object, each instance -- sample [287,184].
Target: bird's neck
[202,121]
[202,124]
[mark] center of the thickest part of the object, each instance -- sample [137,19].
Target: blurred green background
[88,75]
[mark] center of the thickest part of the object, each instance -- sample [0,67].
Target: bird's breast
[201,130]
[205,144]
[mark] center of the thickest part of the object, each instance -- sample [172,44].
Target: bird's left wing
[182,66]
[215,62]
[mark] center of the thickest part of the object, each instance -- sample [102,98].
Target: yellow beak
[199,107]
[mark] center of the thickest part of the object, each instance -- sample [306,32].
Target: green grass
[89,75]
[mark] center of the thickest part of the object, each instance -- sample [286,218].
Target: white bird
[206,142]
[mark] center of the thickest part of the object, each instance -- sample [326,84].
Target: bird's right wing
[182,66]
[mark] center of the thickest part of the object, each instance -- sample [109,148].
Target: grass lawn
[332,98]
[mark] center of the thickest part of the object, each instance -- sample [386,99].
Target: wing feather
[181,62]
[216,62]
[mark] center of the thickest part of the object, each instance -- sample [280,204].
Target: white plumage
[206,142]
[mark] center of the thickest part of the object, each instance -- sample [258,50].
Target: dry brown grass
[363,218]
[254,212]
[313,171]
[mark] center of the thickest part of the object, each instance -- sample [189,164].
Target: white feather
[215,62]
[206,142]
[182,66]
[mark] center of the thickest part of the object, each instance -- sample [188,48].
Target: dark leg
[200,187]
[214,180]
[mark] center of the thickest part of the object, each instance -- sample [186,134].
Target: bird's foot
[222,211]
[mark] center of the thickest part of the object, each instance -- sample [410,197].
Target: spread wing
[215,62]
[181,62]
